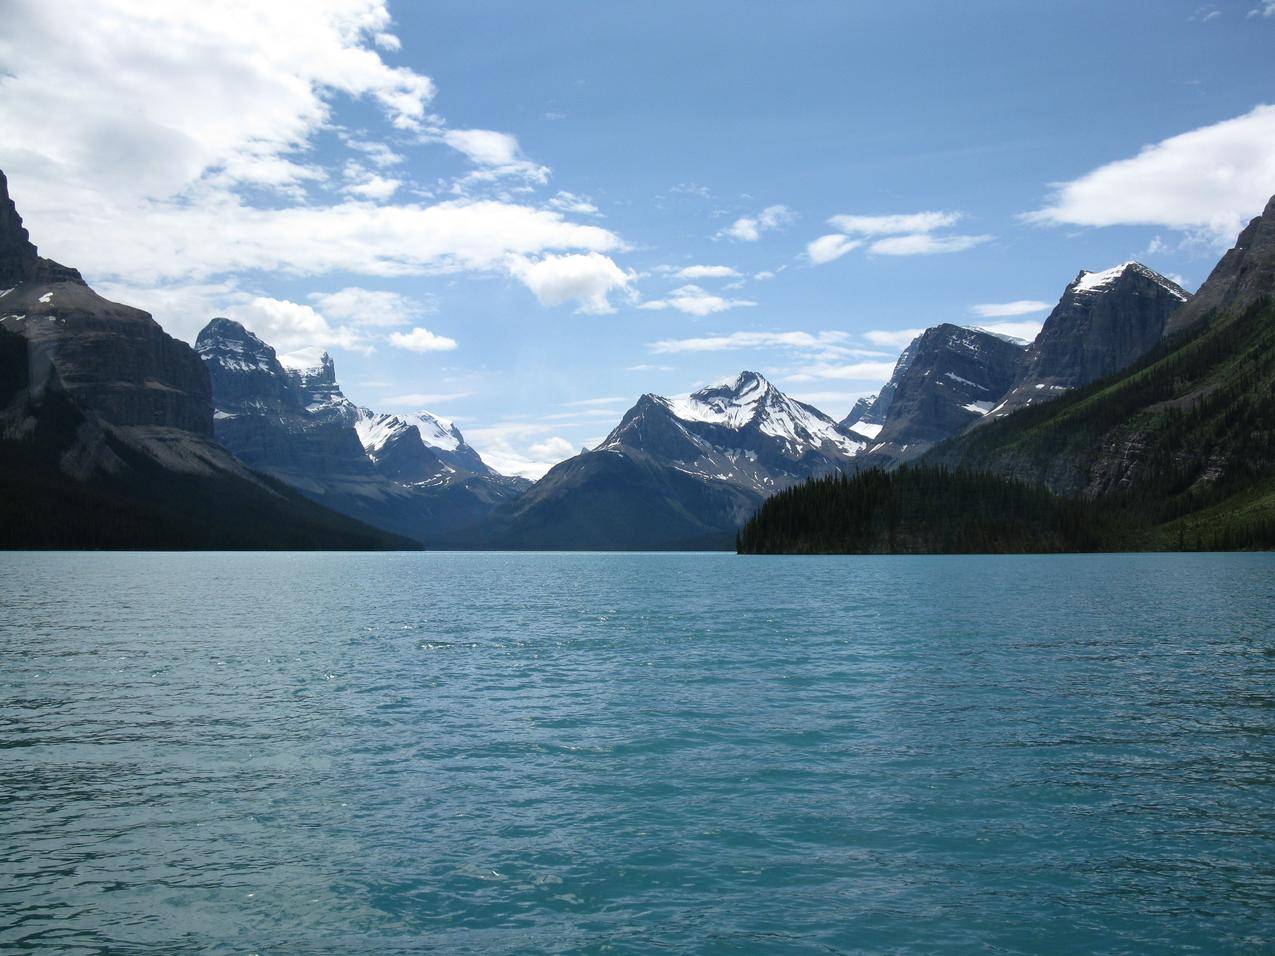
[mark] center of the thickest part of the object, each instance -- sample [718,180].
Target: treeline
[921,510]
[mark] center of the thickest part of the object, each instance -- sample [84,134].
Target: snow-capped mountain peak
[437,432]
[748,402]
[1097,282]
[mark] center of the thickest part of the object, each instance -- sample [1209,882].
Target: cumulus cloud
[528,449]
[181,90]
[369,307]
[831,247]
[174,242]
[421,340]
[584,278]
[751,228]
[707,272]
[693,300]
[289,326]
[1210,180]
[924,244]
[553,449]
[991,310]
[139,137]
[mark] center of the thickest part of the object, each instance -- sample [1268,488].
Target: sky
[522,216]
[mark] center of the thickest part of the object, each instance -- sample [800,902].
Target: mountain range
[106,425]
[1133,390]
[1176,450]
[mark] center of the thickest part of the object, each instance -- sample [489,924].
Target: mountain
[106,425]
[1103,322]
[1182,442]
[677,472]
[420,447]
[946,379]
[863,419]
[290,419]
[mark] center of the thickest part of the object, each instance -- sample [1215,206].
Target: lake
[510,753]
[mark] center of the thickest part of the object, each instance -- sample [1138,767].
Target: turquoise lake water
[510,753]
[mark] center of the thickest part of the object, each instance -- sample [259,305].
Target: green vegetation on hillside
[1178,451]
[920,510]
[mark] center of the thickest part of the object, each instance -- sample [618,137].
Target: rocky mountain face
[1190,429]
[1103,322]
[420,448]
[1245,275]
[946,379]
[678,472]
[111,359]
[106,429]
[295,424]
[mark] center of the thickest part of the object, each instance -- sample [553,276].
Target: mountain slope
[946,379]
[681,472]
[1187,429]
[1104,321]
[106,428]
[295,424]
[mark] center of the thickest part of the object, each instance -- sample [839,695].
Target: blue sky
[523,216]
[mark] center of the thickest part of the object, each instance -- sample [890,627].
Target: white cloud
[163,242]
[181,309]
[763,276]
[1212,179]
[1018,330]
[892,338]
[289,326]
[693,300]
[498,154]
[369,307]
[851,372]
[589,402]
[831,247]
[906,234]
[528,449]
[134,133]
[365,184]
[649,368]
[923,243]
[553,449]
[894,224]
[377,153]
[801,341]
[418,400]
[1267,9]
[587,279]
[992,310]
[421,340]
[751,228]
[571,203]
[708,272]
[138,100]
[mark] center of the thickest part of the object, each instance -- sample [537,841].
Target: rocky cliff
[1103,322]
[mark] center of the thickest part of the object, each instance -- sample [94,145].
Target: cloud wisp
[899,234]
